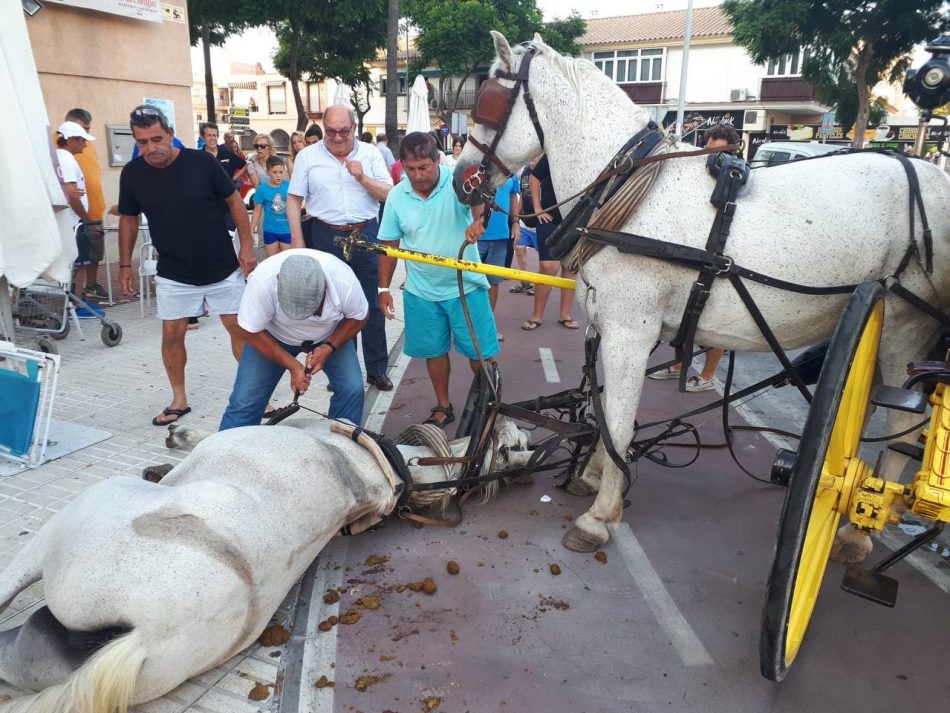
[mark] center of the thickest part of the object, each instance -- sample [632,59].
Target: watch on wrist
[381,290]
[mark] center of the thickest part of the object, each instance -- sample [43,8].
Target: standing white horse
[833,221]
[177,577]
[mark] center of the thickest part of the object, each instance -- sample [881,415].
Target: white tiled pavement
[120,390]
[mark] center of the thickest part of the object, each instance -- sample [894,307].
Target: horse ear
[502,48]
[537,38]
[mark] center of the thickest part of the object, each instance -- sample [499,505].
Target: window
[625,66]
[313,96]
[789,65]
[402,86]
[277,99]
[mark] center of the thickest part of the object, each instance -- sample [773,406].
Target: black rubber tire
[111,334]
[806,473]
[47,345]
[65,327]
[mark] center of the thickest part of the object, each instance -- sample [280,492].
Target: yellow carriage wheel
[822,480]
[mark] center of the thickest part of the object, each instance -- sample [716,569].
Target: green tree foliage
[322,39]
[453,36]
[210,23]
[853,44]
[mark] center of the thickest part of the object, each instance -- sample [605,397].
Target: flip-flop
[568,323]
[529,325]
[176,412]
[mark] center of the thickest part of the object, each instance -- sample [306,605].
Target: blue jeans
[257,377]
[373,335]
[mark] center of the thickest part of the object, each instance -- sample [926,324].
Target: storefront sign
[695,120]
[883,133]
[141,9]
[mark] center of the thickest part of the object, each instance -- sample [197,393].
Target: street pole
[680,106]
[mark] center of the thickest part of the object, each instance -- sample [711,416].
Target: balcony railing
[644,92]
[786,89]
[466,98]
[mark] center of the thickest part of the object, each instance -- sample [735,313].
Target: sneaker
[695,383]
[667,373]
[97,291]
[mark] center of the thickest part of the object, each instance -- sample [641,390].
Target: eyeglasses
[146,116]
[342,133]
[262,146]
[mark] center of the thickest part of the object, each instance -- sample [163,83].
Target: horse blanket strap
[914,197]
[917,302]
[697,259]
[723,197]
[591,347]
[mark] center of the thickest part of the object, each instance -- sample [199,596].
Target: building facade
[250,101]
[110,60]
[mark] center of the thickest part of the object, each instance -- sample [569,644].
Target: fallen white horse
[176,577]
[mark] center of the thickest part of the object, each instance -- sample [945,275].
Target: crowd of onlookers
[304,297]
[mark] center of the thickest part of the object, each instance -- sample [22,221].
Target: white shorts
[176,300]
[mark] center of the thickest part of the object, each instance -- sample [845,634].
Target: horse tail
[104,684]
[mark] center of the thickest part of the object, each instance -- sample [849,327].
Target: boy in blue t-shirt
[270,201]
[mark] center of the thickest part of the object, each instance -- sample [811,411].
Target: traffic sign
[444,129]
[827,123]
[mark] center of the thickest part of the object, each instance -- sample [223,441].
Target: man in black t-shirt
[181,193]
[549,217]
[234,166]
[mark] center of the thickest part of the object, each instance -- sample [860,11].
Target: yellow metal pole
[455,264]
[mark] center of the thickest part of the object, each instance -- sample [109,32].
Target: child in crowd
[270,201]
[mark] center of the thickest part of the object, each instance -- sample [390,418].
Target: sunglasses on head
[342,133]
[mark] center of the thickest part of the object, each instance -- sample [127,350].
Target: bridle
[493,109]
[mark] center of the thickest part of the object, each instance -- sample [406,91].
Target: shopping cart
[48,310]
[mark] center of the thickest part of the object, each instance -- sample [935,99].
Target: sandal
[529,325]
[447,411]
[568,323]
[176,412]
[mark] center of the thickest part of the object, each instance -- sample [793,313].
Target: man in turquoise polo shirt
[423,214]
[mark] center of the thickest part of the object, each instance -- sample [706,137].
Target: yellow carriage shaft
[452,263]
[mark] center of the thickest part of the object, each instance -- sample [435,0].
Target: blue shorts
[271,238]
[493,252]
[430,326]
[528,238]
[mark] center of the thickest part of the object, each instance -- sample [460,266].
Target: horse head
[508,450]
[508,124]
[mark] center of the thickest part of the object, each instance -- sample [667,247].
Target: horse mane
[574,69]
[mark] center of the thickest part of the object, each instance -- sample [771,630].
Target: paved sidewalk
[120,390]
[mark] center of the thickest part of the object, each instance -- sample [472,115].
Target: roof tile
[655,26]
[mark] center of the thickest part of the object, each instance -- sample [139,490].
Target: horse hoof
[579,487]
[155,473]
[851,546]
[578,540]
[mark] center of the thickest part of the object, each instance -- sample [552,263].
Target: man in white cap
[292,298]
[71,139]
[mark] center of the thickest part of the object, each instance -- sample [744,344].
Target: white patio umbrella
[342,95]
[32,241]
[418,119]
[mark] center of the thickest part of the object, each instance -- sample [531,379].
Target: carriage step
[900,399]
[911,450]
[864,583]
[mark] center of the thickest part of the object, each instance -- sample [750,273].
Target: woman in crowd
[297,144]
[457,146]
[257,164]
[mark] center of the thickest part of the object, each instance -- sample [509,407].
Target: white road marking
[384,399]
[550,368]
[320,648]
[687,644]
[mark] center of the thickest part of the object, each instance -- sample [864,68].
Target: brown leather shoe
[380,381]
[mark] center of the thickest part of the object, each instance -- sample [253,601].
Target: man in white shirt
[294,297]
[341,182]
[71,139]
